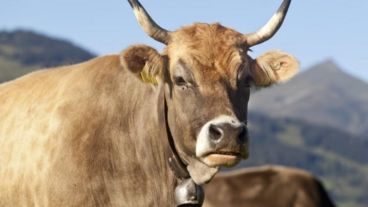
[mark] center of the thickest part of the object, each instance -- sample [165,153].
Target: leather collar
[174,160]
[187,193]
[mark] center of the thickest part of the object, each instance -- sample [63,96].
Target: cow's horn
[268,30]
[147,23]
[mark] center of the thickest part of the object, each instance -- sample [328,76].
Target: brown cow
[128,129]
[264,186]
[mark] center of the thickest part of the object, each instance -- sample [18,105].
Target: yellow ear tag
[147,78]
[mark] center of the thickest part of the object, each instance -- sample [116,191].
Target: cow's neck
[187,193]
[144,170]
[147,145]
[175,163]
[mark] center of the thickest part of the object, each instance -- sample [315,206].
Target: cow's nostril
[243,134]
[215,132]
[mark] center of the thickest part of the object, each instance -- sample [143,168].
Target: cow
[276,186]
[140,128]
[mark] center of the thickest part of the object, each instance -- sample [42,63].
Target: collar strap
[187,193]
[176,165]
[175,162]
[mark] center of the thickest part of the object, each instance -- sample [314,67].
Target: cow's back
[266,186]
[49,122]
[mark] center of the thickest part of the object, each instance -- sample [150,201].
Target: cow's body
[104,132]
[70,137]
[274,186]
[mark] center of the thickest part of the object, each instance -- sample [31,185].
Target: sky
[314,30]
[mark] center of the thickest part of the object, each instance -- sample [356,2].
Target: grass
[291,136]
[347,188]
[7,50]
[11,69]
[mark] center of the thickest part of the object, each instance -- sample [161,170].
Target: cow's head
[207,74]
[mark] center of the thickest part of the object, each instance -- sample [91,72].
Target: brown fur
[210,52]
[74,136]
[211,49]
[140,58]
[273,67]
[215,56]
[274,186]
[215,47]
[94,134]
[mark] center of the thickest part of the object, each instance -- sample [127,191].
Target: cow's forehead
[209,49]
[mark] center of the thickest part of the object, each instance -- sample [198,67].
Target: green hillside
[324,94]
[337,157]
[10,69]
[23,51]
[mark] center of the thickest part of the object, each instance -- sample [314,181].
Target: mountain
[22,51]
[324,95]
[337,157]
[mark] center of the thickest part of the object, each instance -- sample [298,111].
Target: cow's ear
[273,67]
[145,62]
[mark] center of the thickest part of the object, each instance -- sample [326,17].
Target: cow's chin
[219,159]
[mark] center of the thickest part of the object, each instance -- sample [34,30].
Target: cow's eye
[179,81]
[242,77]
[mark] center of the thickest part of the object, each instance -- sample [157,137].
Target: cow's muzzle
[222,141]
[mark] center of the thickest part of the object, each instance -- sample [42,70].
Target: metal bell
[187,193]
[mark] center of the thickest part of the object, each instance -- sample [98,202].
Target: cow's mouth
[222,158]
[225,153]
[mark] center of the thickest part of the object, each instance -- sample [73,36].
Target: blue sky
[314,30]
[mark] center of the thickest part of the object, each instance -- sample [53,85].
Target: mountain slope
[340,159]
[23,51]
[10,69]
[324,95]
